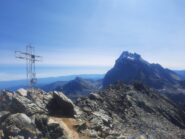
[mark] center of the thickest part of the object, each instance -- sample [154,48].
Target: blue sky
[86,36]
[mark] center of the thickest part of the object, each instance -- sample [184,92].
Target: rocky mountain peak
[131,67]
[79,78]
[128,56]
[131,56]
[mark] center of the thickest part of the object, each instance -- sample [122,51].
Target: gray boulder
[22,92]
[24,105]
[94,96]
[6,100]
[40,98]
[18,124]
[16,103]
[4,115]
[61,105]
[49,130]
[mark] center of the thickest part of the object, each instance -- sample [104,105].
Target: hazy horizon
[86,37]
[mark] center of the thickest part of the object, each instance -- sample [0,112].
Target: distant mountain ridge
[16,84]
[181,73]
[76,88]
[131,67]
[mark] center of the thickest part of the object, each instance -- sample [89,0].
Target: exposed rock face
[132,111]
[14,102]
[131,67]
[18,124]
[48,130]
[22,104]
[118,112]
[22,92]
[61,105]
[25,115]
[4,115]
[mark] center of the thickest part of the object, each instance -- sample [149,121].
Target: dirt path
[68,125]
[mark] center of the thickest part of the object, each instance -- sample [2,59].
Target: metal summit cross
[30,58]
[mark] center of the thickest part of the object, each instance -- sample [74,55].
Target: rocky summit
[132,112]
[118,112]
[30,114]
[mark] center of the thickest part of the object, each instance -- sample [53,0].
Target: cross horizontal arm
[25,53]
[20,57]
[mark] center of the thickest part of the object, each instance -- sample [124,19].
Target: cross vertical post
[30,58]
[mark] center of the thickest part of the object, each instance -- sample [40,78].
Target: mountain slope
[181,73]
[131,67]
[79,87]
[54,85]
[134,111]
